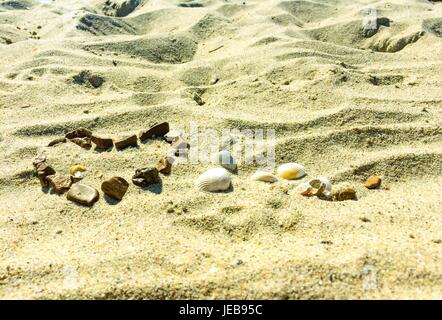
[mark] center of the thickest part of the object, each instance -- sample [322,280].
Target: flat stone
[57,141]
[146,177]
[164,165]
[131,141]
[83,142]
[60,183]
[373,182]
[83,194]
[158,130]
[102,143]
[115,187]
[79,133]
[43,170]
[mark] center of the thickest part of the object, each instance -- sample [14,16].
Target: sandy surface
[344,103]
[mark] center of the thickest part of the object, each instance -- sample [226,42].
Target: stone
[126,142]
[115,187]
[164,165]
[79,133]
[60,183]
[172,135]
[146,177]
[43,170]
[83,194]
[157,130]
[344,192]
[57,141]
[102,143]
[83,142]
[40,158]
[373,182]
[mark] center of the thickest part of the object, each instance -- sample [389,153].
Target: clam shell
[213,180]
[319,186]
[291,171]
[304,189]
[264,176]
[225,159]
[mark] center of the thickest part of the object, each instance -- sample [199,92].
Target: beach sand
[346,101]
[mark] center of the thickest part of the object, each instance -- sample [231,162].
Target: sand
[346,101]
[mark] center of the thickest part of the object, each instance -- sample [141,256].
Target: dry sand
[344,101]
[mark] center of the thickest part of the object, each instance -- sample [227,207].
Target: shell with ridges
[291,171]
[264,176]
[213,180]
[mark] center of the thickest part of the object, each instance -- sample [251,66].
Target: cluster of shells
[219,179]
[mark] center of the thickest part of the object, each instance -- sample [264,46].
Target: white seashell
[320,186]
[291,171]
[328,186]
[226,160]
[213,180]
[264,176]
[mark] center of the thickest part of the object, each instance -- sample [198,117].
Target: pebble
[102,143]
[43,171]
[79,133]
[158,130]
[83,194]
[344,192]
[60,183]
[57,141]
[373,182]
[146,177]
[180,147]
[130,141]
[115,187]
[83,142]
[164,165]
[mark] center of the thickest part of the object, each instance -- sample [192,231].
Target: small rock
[60,183]
[344,192]
[79,133]
[158,130]
[180,147]
[83,194]
[373,182]
[115,187]
[165,165]
[102,143]
[126,142]
[146,177]
[56,141]
[43,170]
[40,158]
[83,142]
[197,98]
[172,135]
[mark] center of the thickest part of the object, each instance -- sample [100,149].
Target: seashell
[319,186]
[76,168]
[213,180]
[291,171]
[264,176]
[226,160]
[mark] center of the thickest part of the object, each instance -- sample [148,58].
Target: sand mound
[351,89]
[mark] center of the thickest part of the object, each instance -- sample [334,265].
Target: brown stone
[60,183]
[57,141]
[158,130]
[43,170]
[79,133]
[126,142]
[102,143]
[40,158]
[164,165]
[115,187]
[83,194]
[83,142]
[344,192]
[146,177]
[373,182]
